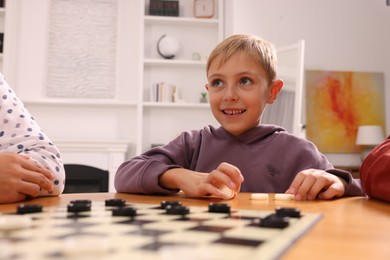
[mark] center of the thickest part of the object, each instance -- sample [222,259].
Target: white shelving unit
[161,122]
[129,117]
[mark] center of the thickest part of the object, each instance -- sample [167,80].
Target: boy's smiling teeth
[233,112]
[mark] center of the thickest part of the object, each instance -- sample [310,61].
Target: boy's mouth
[232,112]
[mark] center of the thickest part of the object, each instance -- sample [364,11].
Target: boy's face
[238,92]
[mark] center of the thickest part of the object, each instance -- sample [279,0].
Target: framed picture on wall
[337,103]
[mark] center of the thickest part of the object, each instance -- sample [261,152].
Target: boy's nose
[230,94]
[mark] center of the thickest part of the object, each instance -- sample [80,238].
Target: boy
[30,165]
[242,154]
[375,172]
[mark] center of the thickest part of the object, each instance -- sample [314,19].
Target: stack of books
[164,7]
[1,42]
[162,92]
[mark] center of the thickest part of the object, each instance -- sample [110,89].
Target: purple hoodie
[267,156]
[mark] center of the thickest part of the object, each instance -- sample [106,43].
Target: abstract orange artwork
[337,102]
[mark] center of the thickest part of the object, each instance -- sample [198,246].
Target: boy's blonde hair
[262,51]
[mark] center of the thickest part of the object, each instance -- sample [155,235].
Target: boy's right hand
[21,177]
[197,184]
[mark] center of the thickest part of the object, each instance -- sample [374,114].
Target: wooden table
[351,228]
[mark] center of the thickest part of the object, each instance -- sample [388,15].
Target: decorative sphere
[168,46]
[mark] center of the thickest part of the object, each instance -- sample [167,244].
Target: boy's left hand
[312,183]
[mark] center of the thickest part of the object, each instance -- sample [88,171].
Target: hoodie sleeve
[141,173]
[354,186]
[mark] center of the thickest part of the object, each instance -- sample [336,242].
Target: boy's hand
[312,183]
[21,177]
[197,184]
[225,175]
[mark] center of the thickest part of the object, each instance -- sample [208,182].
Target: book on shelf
[162,92]
[164,7]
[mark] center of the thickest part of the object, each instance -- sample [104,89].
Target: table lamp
[369,136]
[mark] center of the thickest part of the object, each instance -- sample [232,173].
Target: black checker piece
[81,202]
[78,206]
[238,241]
[164,204]
[288,212]
[219,208]
[177,210]
[274,221]
[125,212]
[115,203]
[28,208]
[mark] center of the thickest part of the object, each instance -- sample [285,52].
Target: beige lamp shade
[371,135]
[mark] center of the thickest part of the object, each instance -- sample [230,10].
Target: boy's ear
[206,86]
[276,87]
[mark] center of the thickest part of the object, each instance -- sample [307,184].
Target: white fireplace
[104,154]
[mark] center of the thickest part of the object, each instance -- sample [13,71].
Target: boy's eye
[217,83]
[245,81]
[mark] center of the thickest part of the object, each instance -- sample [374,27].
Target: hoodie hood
[253,135]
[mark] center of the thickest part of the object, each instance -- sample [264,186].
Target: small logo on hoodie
[272,170]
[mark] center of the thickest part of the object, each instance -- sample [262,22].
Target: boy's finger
[295,184]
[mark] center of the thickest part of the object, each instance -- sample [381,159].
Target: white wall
[347,35]
[350,35]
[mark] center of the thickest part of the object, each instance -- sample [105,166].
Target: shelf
[175,105]
[79,102]
[163,20]
[162,62]
[162,121]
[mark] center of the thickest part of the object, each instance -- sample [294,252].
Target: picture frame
[204,8]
